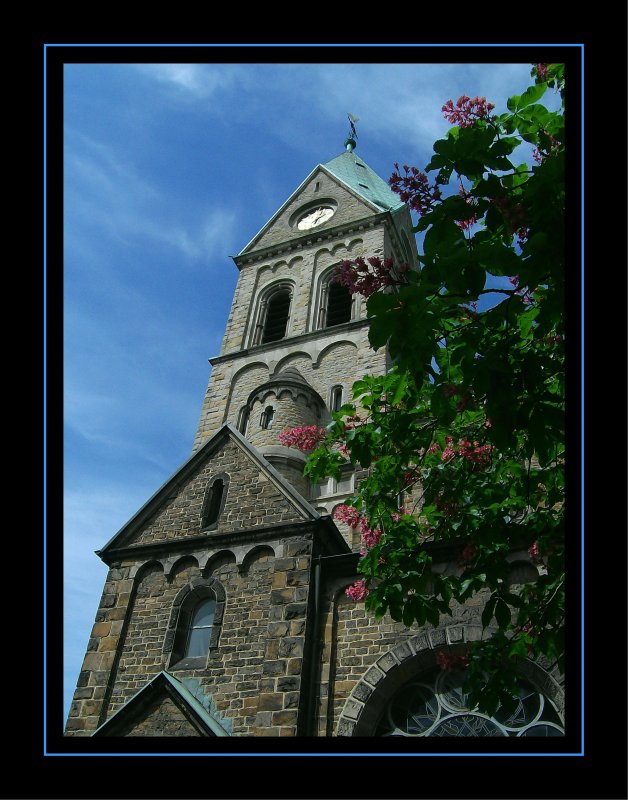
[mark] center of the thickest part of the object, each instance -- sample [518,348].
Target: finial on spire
[350,142]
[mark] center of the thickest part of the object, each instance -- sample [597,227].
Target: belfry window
[339,303]
[276,316]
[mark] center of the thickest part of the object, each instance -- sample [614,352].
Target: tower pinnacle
[350,142]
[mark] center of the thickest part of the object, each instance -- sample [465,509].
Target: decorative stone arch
[337,343]
[217,560]
[259,553]
[411,657]
[293,359]
[172,565]
[182,609]
[138,571]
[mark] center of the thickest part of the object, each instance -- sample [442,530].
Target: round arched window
[436,705]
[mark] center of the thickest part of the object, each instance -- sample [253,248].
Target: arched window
[243,420]
[195,623]
[339,305]
[335,304]
[436,705]
[335,401]
[266,420]
[200,630]
[214,502]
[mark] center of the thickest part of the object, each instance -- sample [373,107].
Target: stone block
[279,628]
[278,596]
[284,717]
[295,610]
[270,702]
[291,646]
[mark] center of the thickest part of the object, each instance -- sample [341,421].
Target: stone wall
[161,717]
[254,674]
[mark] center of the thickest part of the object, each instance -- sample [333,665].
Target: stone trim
[356,719]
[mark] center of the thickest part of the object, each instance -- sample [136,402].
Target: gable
[163,707]
[255,495]
[350,200]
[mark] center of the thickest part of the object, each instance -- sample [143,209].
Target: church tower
[209,620]
[295,341]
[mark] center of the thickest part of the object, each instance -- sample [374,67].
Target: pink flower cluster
[414,189]
[357,592]
[468,553]
[513,215]
[540,155]
[465,224]
[450,662]
[365,278]
[352,517]
[467,111]
[541,71]
[477,453]
[534,552]
[305,438]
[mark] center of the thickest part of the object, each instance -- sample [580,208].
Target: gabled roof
[354,175]
[189,468]
[197,707]
[357,175]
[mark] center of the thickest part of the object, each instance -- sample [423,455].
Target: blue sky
[169,169]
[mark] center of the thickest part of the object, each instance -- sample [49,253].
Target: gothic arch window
[214,502]
[273,314]
[335,303]
[195,623]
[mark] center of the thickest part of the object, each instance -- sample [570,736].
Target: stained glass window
[436,705]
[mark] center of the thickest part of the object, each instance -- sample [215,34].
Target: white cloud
[199,81]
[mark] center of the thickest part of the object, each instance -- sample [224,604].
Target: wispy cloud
[199,81]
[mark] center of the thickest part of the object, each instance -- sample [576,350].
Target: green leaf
[532,94]
[489,608]
[502,613]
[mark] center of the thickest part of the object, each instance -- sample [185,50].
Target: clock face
[314,217]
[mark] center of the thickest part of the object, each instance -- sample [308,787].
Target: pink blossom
[414,189]
[347,514]
[467,111]
[305,438]
[433,448]
[468,553]
[541,71]
[450,662]
[357,592]
[366,277]
[534,552]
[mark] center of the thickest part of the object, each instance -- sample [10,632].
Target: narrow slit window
[336,398]
[214,503]
[277,311]
[266,421]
